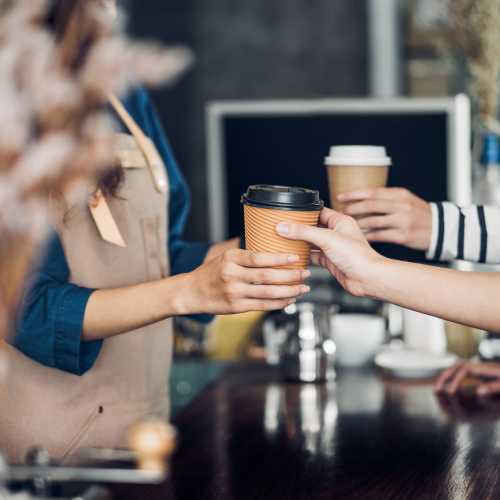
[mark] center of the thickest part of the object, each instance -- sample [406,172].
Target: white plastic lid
[358,156]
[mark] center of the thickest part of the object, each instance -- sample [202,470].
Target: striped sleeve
[465,233]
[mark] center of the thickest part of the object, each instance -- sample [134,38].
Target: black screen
[290,150]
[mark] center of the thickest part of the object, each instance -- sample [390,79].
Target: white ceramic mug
[422,332]
[358,337]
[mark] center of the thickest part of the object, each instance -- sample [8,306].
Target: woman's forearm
[114,311]
[462,297]
[235,281]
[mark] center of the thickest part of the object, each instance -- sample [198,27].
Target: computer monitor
[285,142]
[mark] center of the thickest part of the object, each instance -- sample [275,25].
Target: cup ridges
[261,235]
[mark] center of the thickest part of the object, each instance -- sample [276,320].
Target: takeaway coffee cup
[351,168]
[265,206]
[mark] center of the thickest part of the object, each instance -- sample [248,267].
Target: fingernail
[482,391]
[305,289]
[292,301]
[341,197]
[306,274]
[283,228]
[293,258]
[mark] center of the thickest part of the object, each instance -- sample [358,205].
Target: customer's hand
[344,250]
[486,374]
[392,215]
[239,281]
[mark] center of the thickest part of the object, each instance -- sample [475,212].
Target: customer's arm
[444,230]
[468,298]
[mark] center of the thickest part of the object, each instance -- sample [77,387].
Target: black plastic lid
[282,197]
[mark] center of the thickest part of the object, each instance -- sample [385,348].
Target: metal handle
[84,474]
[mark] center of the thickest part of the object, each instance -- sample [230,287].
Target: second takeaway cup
[265,206]
[351,168]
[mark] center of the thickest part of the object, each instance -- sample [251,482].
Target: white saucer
[413,364]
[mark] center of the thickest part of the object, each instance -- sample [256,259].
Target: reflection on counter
[308,413]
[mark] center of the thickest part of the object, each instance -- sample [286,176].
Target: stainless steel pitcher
[309,350]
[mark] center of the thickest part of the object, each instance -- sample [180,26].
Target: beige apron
[62,412]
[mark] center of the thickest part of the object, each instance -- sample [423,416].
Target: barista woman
[94,344]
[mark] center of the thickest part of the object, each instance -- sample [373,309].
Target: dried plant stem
[477,32]
[54,133]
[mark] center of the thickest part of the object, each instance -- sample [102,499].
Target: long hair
[63,21]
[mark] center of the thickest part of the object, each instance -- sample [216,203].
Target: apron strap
[154,161]
[98,206]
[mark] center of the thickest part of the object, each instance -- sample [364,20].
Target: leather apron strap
[98,206]
[155,163]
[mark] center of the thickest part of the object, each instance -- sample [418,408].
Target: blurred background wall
[258,49]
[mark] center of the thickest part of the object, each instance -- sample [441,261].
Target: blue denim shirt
[49,328]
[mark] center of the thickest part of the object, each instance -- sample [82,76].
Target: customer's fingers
[458,378]
[445,377]
[486,370]
[378,222]
[488,389]
[320,237]
[330,218]
[373,193]
[386,236]
[367,207]
[451,379]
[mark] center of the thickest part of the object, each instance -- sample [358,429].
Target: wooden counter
[251,436]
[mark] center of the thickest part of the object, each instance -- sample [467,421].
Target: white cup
[351,168]
[358,337]
[422,332]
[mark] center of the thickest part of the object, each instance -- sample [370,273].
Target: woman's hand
[392,215]
[488,375]
[239,281]
[344,250]
[219,248]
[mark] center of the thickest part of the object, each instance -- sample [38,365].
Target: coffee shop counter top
[249,435]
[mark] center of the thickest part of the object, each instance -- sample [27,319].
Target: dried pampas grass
[54,134]
[477,32]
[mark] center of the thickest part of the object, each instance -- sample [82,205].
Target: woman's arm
[49,325]
[235,281]
[468,298]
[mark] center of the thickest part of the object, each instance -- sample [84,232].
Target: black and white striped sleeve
[465,233]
